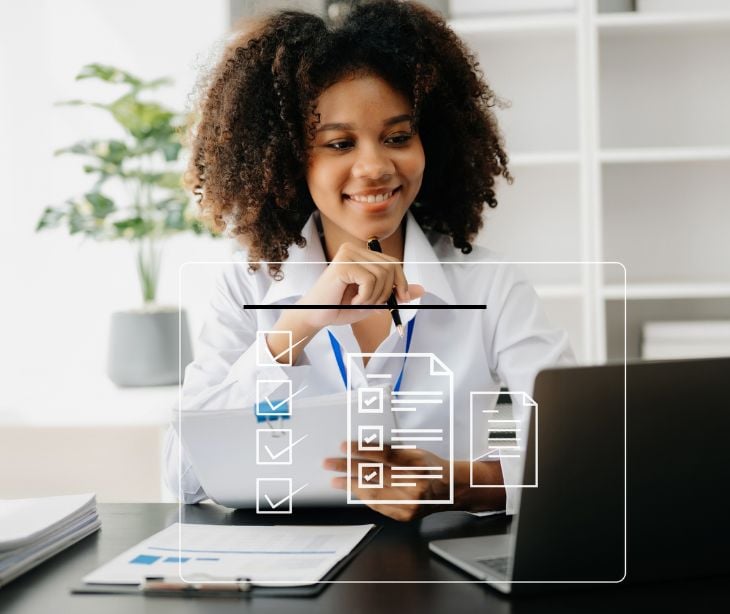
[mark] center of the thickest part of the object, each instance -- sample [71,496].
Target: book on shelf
[474,8]
[685,339]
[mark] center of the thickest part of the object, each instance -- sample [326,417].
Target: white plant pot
[147,347]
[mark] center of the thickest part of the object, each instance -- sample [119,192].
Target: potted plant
[143,167]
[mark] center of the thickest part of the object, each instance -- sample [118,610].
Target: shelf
[544,158]
[650,291]
[640,22]
[514,25]
[664,154]
[559,291]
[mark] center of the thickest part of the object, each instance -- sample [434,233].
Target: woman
[311,141]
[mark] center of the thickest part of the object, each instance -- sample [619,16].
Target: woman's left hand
[424,489]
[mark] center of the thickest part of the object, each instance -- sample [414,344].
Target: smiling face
[365,165]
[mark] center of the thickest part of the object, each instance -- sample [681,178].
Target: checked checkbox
[274,446]
[370,438]
[264,357]
[370,475]
[275,495]
[370,400]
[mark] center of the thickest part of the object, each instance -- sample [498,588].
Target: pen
[159,584]
[374,246]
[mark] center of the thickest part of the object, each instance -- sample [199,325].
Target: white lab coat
[506,344]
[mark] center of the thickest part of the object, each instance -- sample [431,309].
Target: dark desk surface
[398,552]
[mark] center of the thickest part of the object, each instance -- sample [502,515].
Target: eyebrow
[388,122]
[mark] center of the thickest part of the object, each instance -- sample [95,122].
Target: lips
[373,203]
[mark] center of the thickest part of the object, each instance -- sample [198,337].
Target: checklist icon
[369,438]
[370,400]
[275,495]
[370,475]
[274,446]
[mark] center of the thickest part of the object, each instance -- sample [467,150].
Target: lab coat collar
[299,279]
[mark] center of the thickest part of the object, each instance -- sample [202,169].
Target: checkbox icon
[264,357]
[370,475]
[370,400]
[273,407]
[369,438]
[275,495]
[274,446]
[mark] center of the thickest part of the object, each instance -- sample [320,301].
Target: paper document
[33,530]
[264,555]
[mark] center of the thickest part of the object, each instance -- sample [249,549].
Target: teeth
[372,199]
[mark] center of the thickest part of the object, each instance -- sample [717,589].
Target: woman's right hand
[355,276]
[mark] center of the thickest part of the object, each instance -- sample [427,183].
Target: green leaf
[102,205]
[107,73]
[142,119]
[50,218]
[171,151]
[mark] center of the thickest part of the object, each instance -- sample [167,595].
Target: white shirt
[506,344]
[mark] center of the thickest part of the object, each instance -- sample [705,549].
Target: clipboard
[252,590]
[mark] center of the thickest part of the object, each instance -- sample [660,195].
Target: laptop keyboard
[498,564]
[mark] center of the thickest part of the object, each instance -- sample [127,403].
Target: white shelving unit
[619,138]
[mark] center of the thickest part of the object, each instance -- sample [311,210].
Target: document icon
[499,433]
[419,414]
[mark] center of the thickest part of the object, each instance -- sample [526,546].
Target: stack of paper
[33,530]
[700,339]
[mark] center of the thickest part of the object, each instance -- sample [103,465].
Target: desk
[398,552]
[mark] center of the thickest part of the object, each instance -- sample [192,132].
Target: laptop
[573,527]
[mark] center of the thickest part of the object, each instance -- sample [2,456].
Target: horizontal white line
[509,456]
[378,376]
[403,484]
[416,430]
[419,468]
[492,420]
[433,401]
[403,409]
[403,446]
[499,447]
[490,411]
[417,438]
[424,393]
[417,476]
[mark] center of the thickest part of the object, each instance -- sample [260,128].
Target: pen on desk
[159,584]
[374,246]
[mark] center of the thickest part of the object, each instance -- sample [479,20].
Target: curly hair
[256,116]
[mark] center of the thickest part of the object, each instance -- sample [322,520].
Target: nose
[373,162]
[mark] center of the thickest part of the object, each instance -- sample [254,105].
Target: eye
[341,145]
[399,139]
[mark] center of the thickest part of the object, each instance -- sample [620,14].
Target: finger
[335,464]
[401,285]
[415,291]
[380,456]
[365,281]
[388,282]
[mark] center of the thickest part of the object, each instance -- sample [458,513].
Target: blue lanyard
[337,349]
